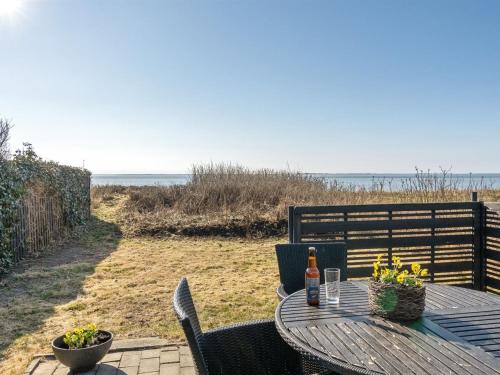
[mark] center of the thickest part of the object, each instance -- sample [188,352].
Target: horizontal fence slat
[341,226]
[492,282]
[385,207]
[376,243]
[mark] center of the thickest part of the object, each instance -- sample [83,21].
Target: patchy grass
[126,285]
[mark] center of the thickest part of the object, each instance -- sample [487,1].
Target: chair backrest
[292,262]
[188,318]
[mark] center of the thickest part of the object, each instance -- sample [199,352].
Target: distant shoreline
[390,180]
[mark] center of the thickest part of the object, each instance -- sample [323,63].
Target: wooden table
[459,333]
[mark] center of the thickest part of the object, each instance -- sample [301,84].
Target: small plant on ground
[81,337]
[396,274]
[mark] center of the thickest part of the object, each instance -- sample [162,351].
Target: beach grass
[126,285]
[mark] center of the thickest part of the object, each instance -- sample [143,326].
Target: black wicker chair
[249,348]
[292,263]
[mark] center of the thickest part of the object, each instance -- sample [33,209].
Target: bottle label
[312,289]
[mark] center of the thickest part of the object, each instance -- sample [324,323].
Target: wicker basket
[395,301]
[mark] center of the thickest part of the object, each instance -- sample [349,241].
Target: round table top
[459,333]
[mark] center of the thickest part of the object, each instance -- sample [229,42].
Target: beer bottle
[312,279]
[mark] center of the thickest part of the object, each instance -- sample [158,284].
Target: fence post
[478,211]
[290,224]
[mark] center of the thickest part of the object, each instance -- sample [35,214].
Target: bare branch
[5,127]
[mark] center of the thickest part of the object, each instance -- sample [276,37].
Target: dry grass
[126,285]
[227,200]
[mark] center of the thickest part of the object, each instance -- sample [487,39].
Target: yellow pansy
[415,267]
[425,272]
[400,277]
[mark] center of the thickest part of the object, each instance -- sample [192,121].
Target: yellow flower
[425,272]
[415,267]
[376,266]
[375,274]
[379,258]
[385,272]
[400,277]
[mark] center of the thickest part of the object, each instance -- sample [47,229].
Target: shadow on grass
[35,287]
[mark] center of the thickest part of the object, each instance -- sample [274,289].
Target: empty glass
[332,284]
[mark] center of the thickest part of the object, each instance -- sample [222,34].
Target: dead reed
[230,199]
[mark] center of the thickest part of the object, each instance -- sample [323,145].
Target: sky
[318,86]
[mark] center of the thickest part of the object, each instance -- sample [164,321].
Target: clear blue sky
[320,86]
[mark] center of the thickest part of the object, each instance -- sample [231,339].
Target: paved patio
[149,356]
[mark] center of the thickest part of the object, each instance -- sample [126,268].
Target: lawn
[126,284]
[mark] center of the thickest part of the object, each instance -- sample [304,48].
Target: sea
[390,182]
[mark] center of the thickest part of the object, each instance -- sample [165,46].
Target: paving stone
[141,343]
[173,347]
[46,368]
[112,357]
[174,359]
[170,369]
[149,365]
[188,371]
[186,360]
[151,353]
[32,365]
[169,356]
[62,371]
[130,360]
[134,370]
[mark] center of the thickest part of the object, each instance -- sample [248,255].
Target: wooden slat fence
[492,247]
[40,222]
[446,238]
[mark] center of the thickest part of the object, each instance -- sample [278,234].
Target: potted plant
[395,293]
[81,348]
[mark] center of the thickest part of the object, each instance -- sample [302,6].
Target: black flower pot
[84,359]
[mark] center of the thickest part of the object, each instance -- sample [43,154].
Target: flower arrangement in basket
[395,293]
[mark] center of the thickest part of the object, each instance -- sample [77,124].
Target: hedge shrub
[26,171]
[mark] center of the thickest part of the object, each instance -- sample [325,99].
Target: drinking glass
[332,284]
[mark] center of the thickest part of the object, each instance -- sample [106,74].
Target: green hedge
[26,171]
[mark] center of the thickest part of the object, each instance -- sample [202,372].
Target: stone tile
[134,370]
[32,365]
[149,365]
[141,343]
[112,357]
[130,360]
[150,373]
[46,368]
[62,371]
[105,369]
[151,353]
[170,369]
[188,371]
[172,347]
[169,356]
[184,350]
[186,360]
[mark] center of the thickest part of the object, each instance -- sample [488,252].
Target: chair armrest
[249,348]
[280,291]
